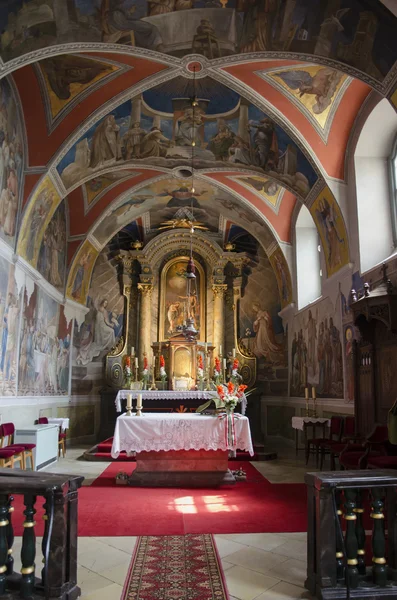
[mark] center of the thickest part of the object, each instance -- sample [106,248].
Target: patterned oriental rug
[176,567]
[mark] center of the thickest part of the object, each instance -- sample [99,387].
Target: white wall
[307,259]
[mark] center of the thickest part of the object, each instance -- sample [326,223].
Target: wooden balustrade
[59,545]
[341,506]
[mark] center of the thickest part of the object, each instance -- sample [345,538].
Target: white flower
[162,372]
[200,372]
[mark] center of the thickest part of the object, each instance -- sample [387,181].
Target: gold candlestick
[153,386]
[307,400]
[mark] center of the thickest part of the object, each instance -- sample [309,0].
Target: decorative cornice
[146,289]
[219,289]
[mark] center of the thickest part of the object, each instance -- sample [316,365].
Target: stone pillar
[218,338]
[136,110]
[157,121]
[145,321]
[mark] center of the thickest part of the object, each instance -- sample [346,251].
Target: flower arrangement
[145,372]
[163,374]
[217,370]
[128,371]
[230,395]
[235,376]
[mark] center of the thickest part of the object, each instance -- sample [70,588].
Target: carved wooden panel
[365,409]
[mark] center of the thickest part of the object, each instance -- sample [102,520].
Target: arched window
[375,184]
[308,259]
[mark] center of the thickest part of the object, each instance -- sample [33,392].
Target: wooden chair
[335,433]
[61,437]
[349,437]
[356,456]
[10,454]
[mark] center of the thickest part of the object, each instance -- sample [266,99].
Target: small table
[45,437]
[303,423]
[180,449]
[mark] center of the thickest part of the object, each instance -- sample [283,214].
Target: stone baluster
[3,542]
[340,568]
[351,538]
[379,569]
[10,537]
[360,533]
[28,551]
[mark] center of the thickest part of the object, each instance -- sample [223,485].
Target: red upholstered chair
[349,436]
[356,456]
[335,434]
[8,430]
[10,454]
[61,437]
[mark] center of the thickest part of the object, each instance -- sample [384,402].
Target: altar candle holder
[139,405]
[307,400]
[129,405]
[153,386]
[224,370]
[314,402]
[136,368]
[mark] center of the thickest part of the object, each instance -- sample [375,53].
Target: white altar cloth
[299,422]
[178,431]
[62,422]
[171,394]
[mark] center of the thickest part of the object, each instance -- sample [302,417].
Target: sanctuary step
[101,452]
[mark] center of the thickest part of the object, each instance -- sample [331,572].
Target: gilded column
[145,321]
[218,339]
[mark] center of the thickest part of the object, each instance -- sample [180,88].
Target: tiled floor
[260,566]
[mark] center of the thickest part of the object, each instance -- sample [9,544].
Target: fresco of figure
[265,143]
[155,144]
[259,17]
[322,85]
[118,22]
[328,221]
[265,342]
[106,146]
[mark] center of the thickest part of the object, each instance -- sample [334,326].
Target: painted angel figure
[322,85]
[327,218]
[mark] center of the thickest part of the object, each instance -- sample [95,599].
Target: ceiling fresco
[157,128]
[315,90]
[267,189]
[356,33]
[67,79]
[94,189]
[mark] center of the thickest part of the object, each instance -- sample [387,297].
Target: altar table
[180,449]
[179,396]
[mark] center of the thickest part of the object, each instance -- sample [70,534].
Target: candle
[129,400]
[132,351]
[224,363]
[307,393]
[313,393]
[234,352]
[136,362]
[220,350]
[139,401]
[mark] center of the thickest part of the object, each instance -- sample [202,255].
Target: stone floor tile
[264,541]
[100,560]
[292,571]
[256,559]
[245,584]
[117,574]
[226,565]
[125,543]
[90,582]
[110,592]
[284,591]
[294,549]
[226,546]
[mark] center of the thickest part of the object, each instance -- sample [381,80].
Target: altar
[181,449]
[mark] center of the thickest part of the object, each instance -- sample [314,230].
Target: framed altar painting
[175,306]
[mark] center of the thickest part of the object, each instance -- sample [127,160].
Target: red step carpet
[253,506]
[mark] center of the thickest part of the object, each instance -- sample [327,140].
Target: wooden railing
[347,557]
[58,578]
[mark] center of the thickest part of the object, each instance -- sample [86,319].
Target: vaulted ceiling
[105,89]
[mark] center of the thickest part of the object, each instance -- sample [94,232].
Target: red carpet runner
[253,506]
[185,567]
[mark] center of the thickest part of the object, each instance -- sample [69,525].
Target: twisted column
[219,291]
[145,320]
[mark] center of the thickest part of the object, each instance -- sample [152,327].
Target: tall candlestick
[314,393]
[136,362]
[129,405]
[138,405]
[220,350]
[307,400]
[132,351]
[234,352]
